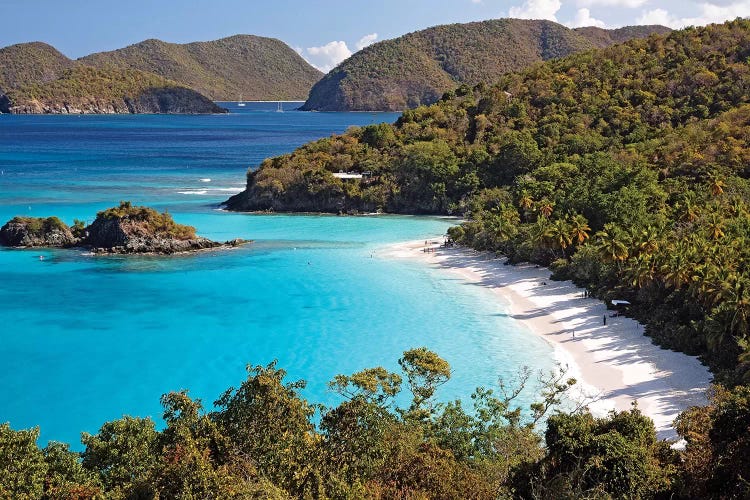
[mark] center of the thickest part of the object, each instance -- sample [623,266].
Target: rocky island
[125,229]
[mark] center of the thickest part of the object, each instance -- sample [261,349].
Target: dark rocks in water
[4,103]
[33,232]
[119,230]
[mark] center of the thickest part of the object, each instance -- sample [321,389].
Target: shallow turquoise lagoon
[86,339]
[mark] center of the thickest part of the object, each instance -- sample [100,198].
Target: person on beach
[604,319]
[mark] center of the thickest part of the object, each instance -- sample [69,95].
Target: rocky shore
[119,230]
[164,100]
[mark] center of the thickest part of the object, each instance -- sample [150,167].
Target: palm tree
[647,240]
[525,201]
[579,229]
[717,186]
[715,226]
[612,244]
[678,269]
[641,270]
[689,211]
[559,234]
[546,207]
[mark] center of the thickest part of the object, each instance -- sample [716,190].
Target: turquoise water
[87,339]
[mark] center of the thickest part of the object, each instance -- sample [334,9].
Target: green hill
[34,62]
[251,67]
[626,168]
[419,67]
[84,89]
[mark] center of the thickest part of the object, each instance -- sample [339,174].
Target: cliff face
[164,100]
[4,103]
[31,232]
[256,68]
[125,236]
[420,67]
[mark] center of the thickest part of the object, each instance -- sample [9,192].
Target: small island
[125,229]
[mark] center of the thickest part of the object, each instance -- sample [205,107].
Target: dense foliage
[624,168]
[152,77]
[30,63]
[241,66]
[38,226]
[149,221]
[85,89]
[264,441]
[418,68]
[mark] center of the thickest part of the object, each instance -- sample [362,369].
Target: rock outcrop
[31,232]
[120,230]
[156,100]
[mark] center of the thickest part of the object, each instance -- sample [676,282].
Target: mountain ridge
[218,68]
[419,67]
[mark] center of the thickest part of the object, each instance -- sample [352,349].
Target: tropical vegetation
[241,66]
[624,168]
[263,440]
[419,67]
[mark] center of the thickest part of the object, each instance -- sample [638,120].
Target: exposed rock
[320,193]
[119,230]
[4,103]
[30,232]
[157,100]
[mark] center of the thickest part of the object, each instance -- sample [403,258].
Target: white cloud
[709,13]
[632,4]
[476,1]
[583,18]
[655,16]
[328,56]
[536,9]
[366,40]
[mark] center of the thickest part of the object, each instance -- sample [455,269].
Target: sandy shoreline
[616,362]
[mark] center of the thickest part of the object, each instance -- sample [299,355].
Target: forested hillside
[84,89]
[625,168]
[30,63]
[418,68]
[241,66]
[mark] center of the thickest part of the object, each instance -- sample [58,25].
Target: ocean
[85,339]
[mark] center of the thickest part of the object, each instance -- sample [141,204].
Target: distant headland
[152,77]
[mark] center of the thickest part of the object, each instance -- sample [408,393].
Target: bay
[87,339]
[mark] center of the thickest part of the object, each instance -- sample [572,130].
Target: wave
[202,192]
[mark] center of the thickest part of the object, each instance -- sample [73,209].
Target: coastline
[613,363]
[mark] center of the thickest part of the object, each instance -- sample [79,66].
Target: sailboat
[279,107]
[240,104]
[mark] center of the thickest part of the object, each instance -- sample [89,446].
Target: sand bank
[615,362]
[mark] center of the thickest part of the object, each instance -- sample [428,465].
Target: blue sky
[323,31]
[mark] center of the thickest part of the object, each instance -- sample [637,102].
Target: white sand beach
[615,362]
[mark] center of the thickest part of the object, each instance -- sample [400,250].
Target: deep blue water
[87,339]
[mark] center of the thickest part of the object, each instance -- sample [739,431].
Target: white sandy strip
[615,361]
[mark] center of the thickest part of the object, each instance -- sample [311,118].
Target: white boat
[279,108]
[240,104]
